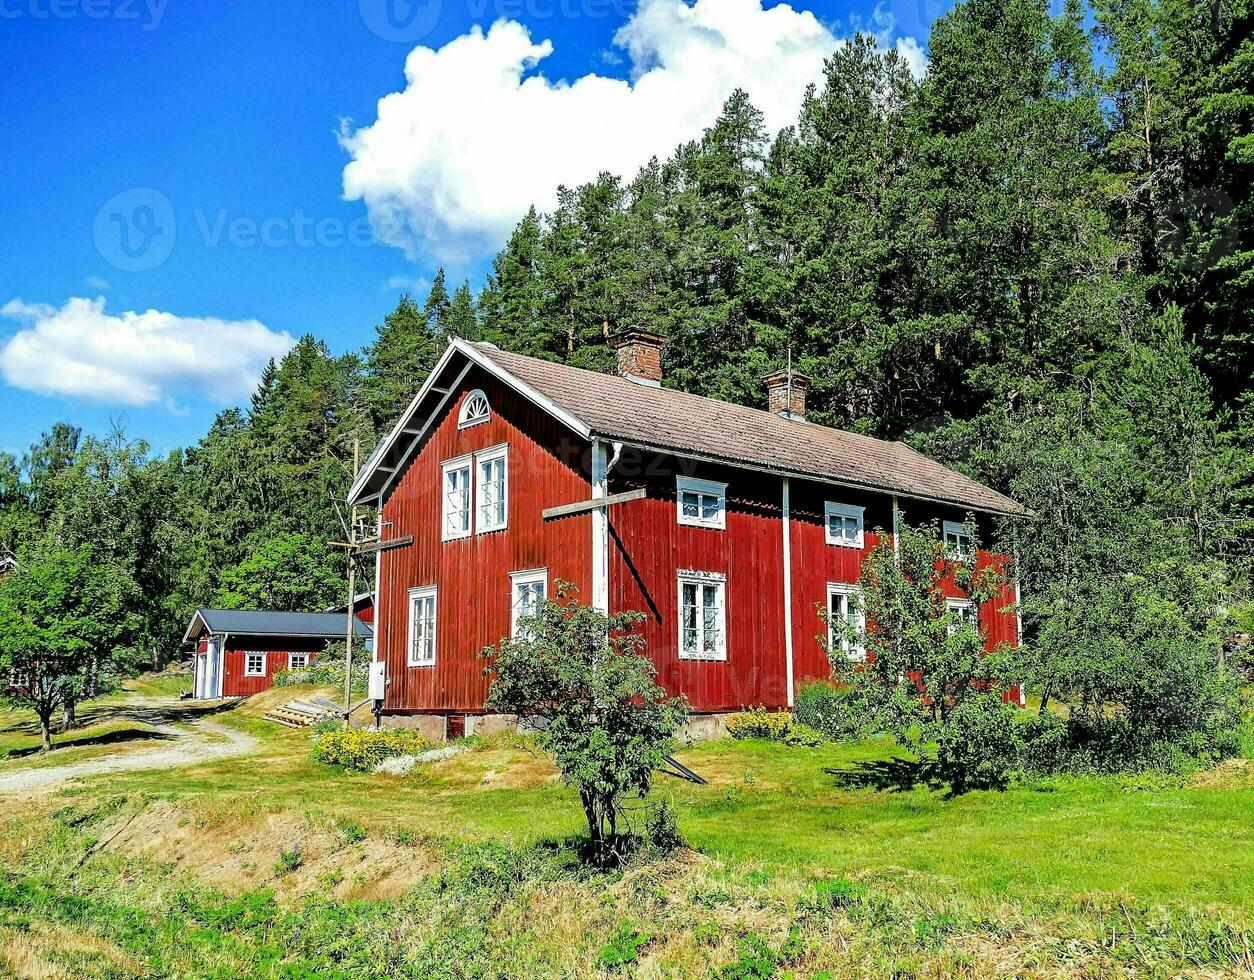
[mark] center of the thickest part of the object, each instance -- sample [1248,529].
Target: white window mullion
[844,524]
[422,626]
[527,589]
[702,607]
[455,495]
[492,489]
[842,612]
[700,503]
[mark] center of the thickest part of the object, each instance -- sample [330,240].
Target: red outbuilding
[730,528]
[238,651]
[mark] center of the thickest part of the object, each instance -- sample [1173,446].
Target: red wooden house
[729,527]
[238,651]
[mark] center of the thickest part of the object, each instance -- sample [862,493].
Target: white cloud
[477,135]
[80,351]
[95,282]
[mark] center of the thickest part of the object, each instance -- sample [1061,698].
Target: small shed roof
[252,622]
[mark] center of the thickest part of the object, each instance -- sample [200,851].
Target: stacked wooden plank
[304,712]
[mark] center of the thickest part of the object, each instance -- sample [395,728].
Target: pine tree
[461,320]
[405,350]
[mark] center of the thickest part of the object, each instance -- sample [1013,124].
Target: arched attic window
[474,410]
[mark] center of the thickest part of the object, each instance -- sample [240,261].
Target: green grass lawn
[469,866]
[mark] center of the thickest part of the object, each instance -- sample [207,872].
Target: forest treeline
[1035,263]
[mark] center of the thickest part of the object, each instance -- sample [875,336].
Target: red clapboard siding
[548,465]
[234,681]
[648,547]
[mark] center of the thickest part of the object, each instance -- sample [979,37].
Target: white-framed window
[842,611]
[254,664]
[844,524]
[492,490]
[701,503]
[422,626]
[526,590]
[702,616]
[958,541]
[964,610]
[455,492]
[297,661]
[474,410]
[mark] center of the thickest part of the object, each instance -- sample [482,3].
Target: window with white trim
[701,503]
[527,589]
[297,661]
[492,491]
[254,664]
[474,410]
[702,616]
[964,613]
[455,490]
[844,524]
[958,541]
[422,626]
[843,613]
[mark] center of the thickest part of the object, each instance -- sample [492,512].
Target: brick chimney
[640,356]
[786,394]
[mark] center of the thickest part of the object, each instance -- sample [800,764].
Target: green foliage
[581,678]
[832,710]
[758,722]
[288,572]
[290,858]
[327,669]
[776,726]
[62,615]
[624,946]
[756,960]
[352,832]
[979,744]
[661,828]
[362,748]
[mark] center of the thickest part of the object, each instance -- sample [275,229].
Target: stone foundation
[434,728]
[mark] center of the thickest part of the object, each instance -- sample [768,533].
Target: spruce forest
[1035,263]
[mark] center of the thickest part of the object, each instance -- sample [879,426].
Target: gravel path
[193,746]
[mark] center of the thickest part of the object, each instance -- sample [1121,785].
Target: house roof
[251,622]
[605,406]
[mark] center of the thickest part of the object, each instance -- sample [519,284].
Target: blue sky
[151,146]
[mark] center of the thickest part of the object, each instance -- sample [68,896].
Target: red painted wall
[236,684]
[548,465]
[648,547]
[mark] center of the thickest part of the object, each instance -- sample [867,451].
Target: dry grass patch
[53,952]
[243,853]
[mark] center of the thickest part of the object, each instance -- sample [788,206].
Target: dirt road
[200,741]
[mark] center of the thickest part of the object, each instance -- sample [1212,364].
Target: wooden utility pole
[356,546]
[350,629]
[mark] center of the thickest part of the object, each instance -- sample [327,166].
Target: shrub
[364,748]
[290,858]
[759,723]
[776,726]
[837,893]
[661,828]
[327,670]
[624,946]
[831,710]
[978,745]
[803,736]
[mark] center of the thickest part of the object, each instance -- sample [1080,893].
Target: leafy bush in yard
[832,710]
[364,748]
[979,745]
[776,726]
[327,669]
